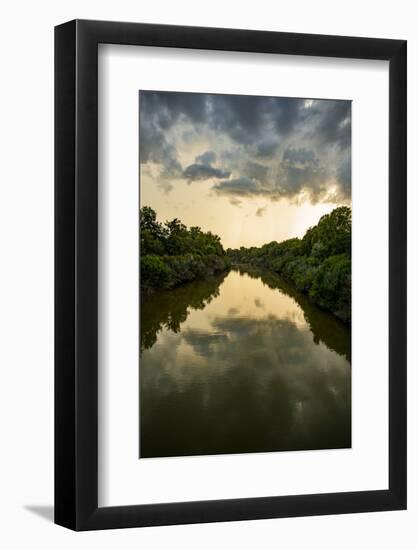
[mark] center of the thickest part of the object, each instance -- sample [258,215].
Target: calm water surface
[241,363]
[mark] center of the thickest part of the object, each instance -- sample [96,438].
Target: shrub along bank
[318,265]
[172,254]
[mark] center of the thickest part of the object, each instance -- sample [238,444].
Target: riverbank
[318,265]
[172,254]
[166,272]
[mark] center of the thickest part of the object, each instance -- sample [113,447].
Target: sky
[251,169]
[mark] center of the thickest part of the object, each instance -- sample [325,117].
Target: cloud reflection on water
[231,376]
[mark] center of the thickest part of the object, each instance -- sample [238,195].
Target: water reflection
[241,363]
[324,327]
[169,308]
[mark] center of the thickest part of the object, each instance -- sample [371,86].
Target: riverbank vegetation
[172,254]
[318,265]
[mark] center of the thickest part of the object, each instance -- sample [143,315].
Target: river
[239,363]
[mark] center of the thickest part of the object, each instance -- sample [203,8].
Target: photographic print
[245,274]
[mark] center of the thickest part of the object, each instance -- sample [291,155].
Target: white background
[26,180]
[123,479]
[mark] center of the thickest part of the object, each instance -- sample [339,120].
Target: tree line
[318,265]
[172,254]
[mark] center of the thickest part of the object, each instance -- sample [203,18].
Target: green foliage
[318,265]
[171,254]
[154,269]
[331,286]
[331,236]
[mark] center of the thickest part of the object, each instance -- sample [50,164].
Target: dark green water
[241,363]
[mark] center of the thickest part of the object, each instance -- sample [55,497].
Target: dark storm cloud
[344,175]
[266,148]
[240,117]
[300,157]
[331,121]
[202,168]
[153,147]
[298,172]
[256,171]
[196,172]
[159,111]
[301,171]
[258,146]
[206,158]
[165,108]
[241,186]
[244,118]
[289,113]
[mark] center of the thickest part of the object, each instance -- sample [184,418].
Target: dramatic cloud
[300,171]
[196,172]
[298,149]
[206,158]
[202,168]
[242,187]
[299,174]
[333,122]
[344,174]
[300,158]
[266,148]
[256,171]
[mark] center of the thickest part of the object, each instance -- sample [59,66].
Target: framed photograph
[230,254]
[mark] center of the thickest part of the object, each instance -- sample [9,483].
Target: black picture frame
[76,272]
